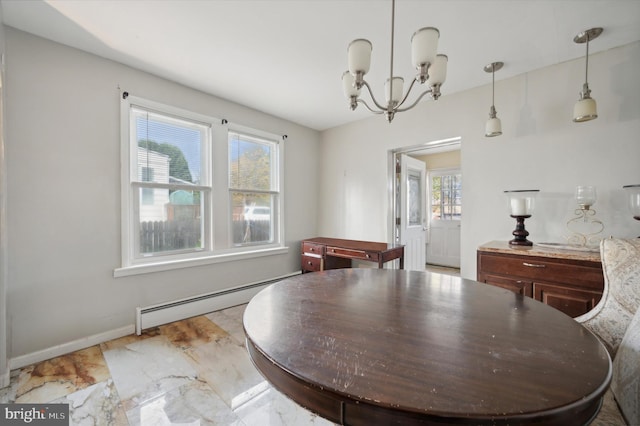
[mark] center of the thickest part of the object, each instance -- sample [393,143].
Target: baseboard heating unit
[164,313]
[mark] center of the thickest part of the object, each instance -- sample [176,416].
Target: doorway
[436,240]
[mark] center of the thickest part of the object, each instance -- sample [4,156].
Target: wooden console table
[569,280]
[319,254]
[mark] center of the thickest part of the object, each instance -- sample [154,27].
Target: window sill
[147,268]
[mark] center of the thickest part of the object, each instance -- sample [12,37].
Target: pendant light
[585,109]
[493,126]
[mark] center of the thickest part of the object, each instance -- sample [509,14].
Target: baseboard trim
[65,348]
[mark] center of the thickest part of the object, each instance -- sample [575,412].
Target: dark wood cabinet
[568,280]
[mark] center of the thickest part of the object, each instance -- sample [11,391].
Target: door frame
[393,156]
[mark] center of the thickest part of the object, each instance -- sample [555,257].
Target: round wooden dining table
[381,347]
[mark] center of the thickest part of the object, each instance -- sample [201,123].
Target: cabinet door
[522,287]
[571,301]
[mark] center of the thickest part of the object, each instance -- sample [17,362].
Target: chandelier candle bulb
[359,53]
[424,46]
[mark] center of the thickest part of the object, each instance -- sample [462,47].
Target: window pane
[252,217]
[169,148]
[415,200]
[250,163]
[173,222]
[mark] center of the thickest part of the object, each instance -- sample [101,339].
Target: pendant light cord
[586,71]
[493,85]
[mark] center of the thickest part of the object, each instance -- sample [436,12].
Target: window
[175,159]
[446,195]
[253,188]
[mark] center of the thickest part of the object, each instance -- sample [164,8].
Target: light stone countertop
[544,250]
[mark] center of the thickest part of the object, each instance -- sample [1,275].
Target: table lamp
[521,202]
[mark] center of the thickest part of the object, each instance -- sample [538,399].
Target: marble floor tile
[60,376]
[194,403]
[148,368]
[226,367]
[271,408]
[191,372]
[192,332]
[230,320]
[97,405]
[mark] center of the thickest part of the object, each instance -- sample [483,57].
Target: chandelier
[431,67]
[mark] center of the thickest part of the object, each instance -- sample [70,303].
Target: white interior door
[445,206]
[413,212]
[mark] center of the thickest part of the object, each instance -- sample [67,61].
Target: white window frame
[217,236]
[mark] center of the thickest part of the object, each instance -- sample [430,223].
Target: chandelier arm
[416,101]
[406,95]
[368,107]
[373,98]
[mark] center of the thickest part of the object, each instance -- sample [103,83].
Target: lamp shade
[438,71]
[396,96]
[348,85]
[359,53]
[424,46]
[493,127]
[585,110]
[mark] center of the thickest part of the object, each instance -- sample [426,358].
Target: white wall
[4,365]
[541,148]
[63,162]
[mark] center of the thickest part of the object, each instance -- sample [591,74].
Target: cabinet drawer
[535,268]
[352,254]
[311,248]
[311,263]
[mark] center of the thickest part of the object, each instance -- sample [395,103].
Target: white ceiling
[286,57]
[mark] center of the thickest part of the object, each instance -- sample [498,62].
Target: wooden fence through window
[159,236]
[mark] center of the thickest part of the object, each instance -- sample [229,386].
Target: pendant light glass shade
[424,46]
[348,85]
[493,127]
[397,89]
[359,56]
[438,71]
[585,108]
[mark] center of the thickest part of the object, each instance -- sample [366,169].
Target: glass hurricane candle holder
[585,227]
[633,192]
[585,196]
[521,203]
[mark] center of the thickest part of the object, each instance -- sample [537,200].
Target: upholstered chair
[622,401]
[610,318]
